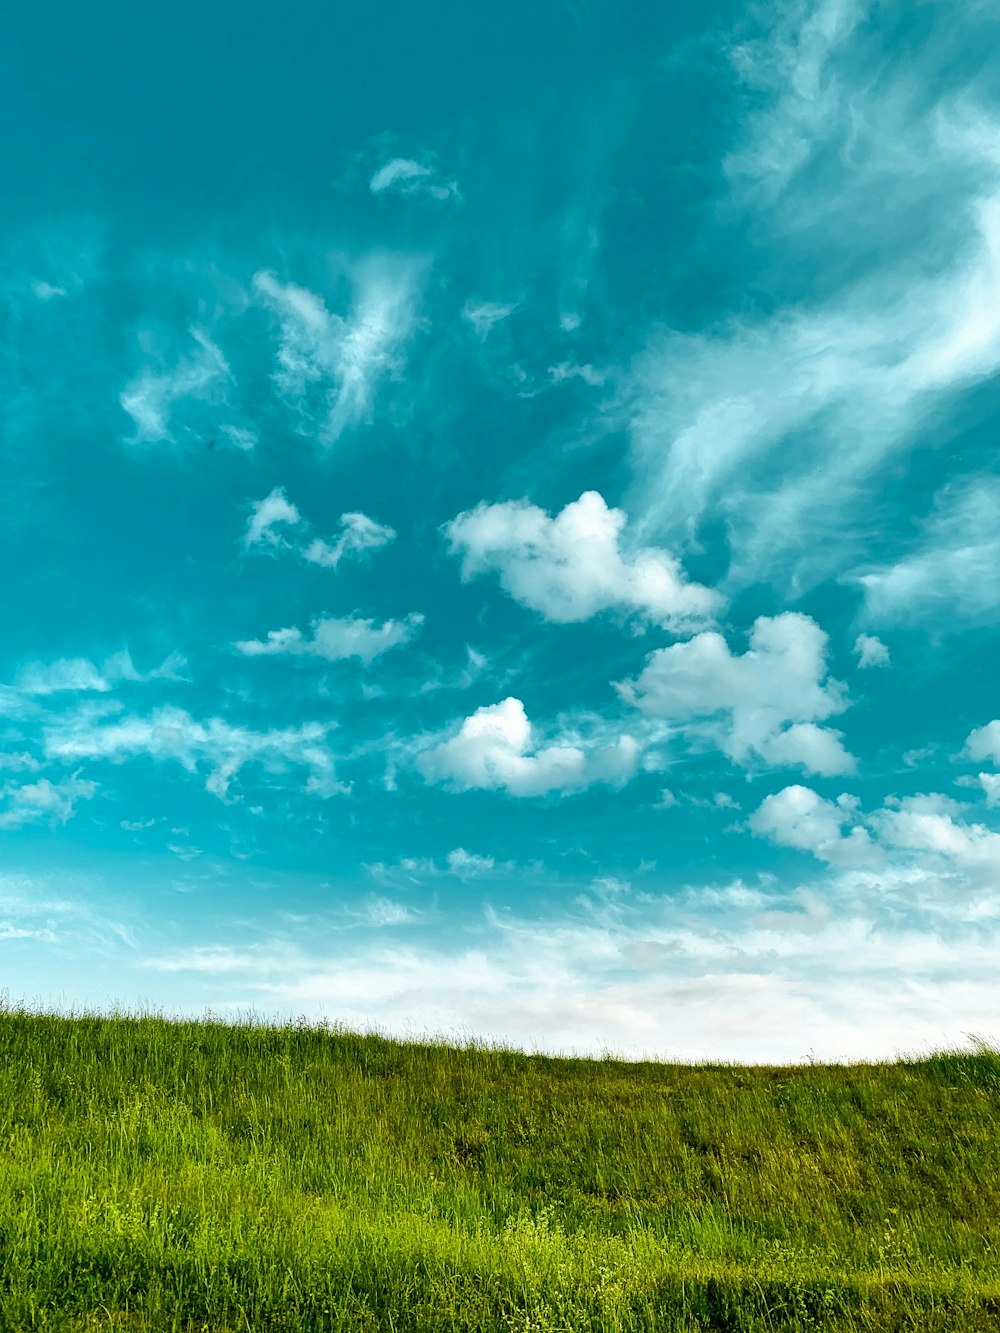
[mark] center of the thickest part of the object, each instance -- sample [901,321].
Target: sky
[501,520]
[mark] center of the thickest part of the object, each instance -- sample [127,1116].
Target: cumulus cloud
[150,398]
[337,637]
[402,175]
[984,743]
[573,566]
[870,651]
[495,749]
[329,365]
[928,825]
[80,675]
[924,831]
[36,802]
[766,703]
[266,516]
[797,817]
[215,746]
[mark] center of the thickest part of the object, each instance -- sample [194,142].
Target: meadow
[159,1174]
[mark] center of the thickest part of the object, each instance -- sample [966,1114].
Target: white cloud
[568,370]
[495,749]
[870,651]
[336,638]
[794,62]
[572,566]
[984,743]
[45,291]
[387,912]
[43,800]
[768,701]
[19,762]
[482,315]
[79,674]
[172,735]
[266,516]
[150,398]
[990,783]
[241,437]
[842,968]
[797,817]
[926,831]
[951,571]
[358,533]
[890,194]
[469,865]
[337,360]
[402,175]
[927,826]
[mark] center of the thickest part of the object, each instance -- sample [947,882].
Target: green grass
[193,1175]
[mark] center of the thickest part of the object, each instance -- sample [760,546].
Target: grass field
[193,1175]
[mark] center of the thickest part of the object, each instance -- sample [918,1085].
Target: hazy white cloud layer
[858,963]
[574,565]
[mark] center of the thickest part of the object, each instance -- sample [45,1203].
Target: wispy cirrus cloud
[329,365]
[80,675]
[43,801]
[268,519]
[271,517]
[214,746]
[357,534]
[151,397]
[950,570]
[336,638]
[784,424]
[407,177]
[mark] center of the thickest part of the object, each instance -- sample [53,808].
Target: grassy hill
[162,1175]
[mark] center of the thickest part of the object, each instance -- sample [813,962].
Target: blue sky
[501,520]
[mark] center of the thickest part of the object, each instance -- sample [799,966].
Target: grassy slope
[156,1175]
